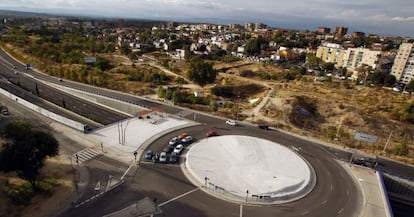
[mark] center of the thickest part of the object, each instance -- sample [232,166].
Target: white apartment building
[356,57]
[403,67]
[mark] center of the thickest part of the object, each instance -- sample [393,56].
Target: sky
[386,17]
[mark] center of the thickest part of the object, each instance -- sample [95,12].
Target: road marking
[304,213]
[324,202]
[331,187]
[347,192]
[241,210]
[98,186]
[126,172]
[342,209]
[178,197]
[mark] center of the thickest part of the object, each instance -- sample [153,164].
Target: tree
[312,61]
[201,72]
[328,67]
[410,86]
[26,150]
[378,78]
[389,80]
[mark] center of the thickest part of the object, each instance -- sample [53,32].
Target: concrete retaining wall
[63,120]
[118,105]
[384,194]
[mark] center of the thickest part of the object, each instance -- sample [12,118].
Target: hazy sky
[395,17]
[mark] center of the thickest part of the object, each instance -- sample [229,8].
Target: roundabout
[249,170]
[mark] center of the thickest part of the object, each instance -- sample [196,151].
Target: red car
[211,133]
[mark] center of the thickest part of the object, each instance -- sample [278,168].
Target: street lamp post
[205,181]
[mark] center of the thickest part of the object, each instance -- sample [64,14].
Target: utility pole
[386,144]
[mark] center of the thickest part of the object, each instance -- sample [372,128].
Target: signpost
[89,59]
[365,137]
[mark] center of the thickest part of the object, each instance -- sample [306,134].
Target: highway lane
[82,107]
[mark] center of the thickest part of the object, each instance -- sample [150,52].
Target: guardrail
[384,194]
[58,118]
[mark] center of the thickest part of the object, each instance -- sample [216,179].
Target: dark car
[211,133]
[149,154]
[263,126]
[169,148]
[173,157]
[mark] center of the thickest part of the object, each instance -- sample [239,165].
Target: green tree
[410,86]
[390,80]
[378,78]
[312,61]
[201,72]
[25,150]
[328,67]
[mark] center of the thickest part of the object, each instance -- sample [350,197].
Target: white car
[187,139]
[178,149]
[163,157]
[174,141]
[231,122]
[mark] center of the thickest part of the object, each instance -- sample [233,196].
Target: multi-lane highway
[21,82]
[335,194]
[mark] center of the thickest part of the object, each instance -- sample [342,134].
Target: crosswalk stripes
[183,113]
[84,155]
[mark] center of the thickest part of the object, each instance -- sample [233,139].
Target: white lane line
[324,202]
[304,213]
[347,192]
[342,209]
[126,172]
[178,197]
[241,210]
[331,187]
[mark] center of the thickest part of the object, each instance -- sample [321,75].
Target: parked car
[263,126]
[163,157]
[182,136]
[178,149]
[211,133]
[187,139]
[174,141]
[5,111]
[174,157]
[169,148]
[148,155]
[231,122]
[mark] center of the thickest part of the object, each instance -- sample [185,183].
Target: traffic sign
[365,137]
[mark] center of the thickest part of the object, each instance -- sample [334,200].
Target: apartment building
[323,30]
[340,31]
[332,53]
[356,57]
[403,67]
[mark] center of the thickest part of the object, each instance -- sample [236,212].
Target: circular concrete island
[243,168]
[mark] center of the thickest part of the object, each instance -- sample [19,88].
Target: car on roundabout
[182,136]
[174,141]
[211,133]
[163,157]
[178,149]
[187,139]
[148,155]
[174,157]
[169,148]
[231,122]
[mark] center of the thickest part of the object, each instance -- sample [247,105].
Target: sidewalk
[374,204]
